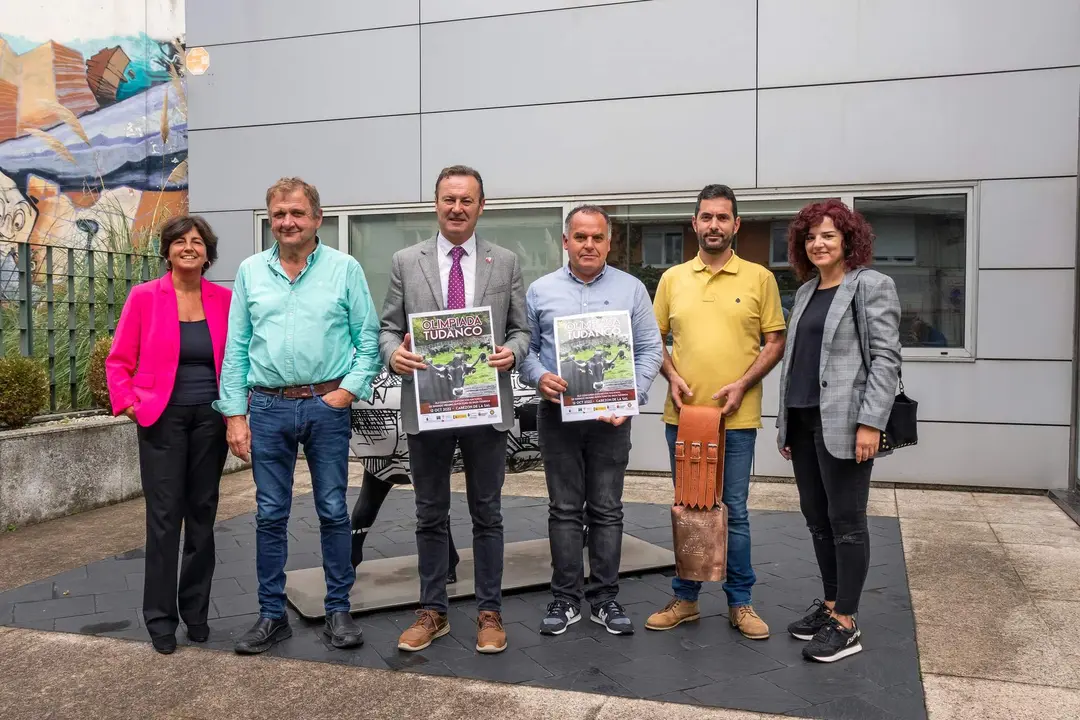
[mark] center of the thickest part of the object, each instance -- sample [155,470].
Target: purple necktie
[455,289]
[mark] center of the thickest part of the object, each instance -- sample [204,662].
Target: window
[328,233]
[662,246]
[921,241]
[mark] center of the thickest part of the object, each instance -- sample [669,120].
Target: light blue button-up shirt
[321,326]
[561,293]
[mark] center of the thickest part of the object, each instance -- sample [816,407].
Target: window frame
[806,194]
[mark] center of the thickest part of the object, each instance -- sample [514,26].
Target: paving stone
[124,600]
[904,701]
[509,666]
[236,554]
[732,660]
[678,698]
[649,677]
[7,612]
[847,708]
[748,693]
[591,680]
[820,683]
[40,590]
[52,609]
[93,585]
[234,605]
[98,623]
[580,654]
[225,587]
[135,581]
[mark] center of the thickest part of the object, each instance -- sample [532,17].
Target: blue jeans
[278,427]
[738,457]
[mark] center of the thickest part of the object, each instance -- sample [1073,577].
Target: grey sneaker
[612,616]
[560,615]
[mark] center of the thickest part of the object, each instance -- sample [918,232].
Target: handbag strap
[860,323]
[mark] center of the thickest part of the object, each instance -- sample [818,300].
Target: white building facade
[952,125]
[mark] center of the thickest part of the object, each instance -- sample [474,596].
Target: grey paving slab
[702,663]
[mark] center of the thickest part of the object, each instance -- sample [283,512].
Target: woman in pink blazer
[163,373]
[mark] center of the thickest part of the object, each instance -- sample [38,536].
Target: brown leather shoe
[490,636]
[675,613]
[428,626]
[746,621]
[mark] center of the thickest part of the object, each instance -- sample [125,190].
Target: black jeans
[373,492]
[483,451]
[181,457]
[584,463]
[833,494]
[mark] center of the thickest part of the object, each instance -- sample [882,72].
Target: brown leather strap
[699,473]
[300,392]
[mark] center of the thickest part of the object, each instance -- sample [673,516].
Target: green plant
[24,390]
[95,371]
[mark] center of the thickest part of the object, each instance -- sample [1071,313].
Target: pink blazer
[141,367]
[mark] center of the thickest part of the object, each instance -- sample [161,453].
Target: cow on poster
[457,388]
[596,359]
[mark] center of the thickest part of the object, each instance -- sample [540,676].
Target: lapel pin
[488,259]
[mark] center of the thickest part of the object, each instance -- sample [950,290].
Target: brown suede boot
[490,636]
[746,621]
[675,613]
[428,626]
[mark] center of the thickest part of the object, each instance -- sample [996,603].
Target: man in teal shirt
[303,344]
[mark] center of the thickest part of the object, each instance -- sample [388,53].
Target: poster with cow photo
[596,359]
[457,388]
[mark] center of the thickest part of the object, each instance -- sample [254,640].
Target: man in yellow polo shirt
[717,307]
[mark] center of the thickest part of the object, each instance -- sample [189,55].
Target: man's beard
[725,243]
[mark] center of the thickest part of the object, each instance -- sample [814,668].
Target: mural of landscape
[93,123]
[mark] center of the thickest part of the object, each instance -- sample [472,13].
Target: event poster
[457,388]
[596,359]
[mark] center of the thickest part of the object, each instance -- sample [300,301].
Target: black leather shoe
[262,636]
[451,577]
[198,633]
[343,630]
[164,644]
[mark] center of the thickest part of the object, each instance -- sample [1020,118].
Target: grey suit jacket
[851,393]
[415,287]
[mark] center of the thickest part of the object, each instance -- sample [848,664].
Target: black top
[196,379]
[803,388]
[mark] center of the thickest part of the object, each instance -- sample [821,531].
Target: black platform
[703,663]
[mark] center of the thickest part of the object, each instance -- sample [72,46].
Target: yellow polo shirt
[716,321]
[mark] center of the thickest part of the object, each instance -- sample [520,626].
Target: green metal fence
[55,302]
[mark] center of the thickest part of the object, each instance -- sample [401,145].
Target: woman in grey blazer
[834,405]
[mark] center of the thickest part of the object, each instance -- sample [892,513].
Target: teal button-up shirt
[320,327]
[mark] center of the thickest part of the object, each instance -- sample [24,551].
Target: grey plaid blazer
[851,393]
[415,287]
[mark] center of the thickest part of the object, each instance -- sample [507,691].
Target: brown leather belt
[299,392]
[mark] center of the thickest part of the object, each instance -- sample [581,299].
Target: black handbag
[902,428]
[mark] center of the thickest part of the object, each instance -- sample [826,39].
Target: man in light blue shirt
[585,461]
[303,344]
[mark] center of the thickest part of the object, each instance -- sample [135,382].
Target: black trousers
[483,452]
[181,457]
[585,465]
[833,494]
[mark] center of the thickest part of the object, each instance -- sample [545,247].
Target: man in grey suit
[456,270]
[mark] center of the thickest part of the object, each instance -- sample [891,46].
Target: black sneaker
[806,628]
[833,642]
[612,616]
[560,615]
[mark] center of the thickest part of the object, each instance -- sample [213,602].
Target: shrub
[24,390]
[95,372]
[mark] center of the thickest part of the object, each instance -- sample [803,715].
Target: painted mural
[93,123]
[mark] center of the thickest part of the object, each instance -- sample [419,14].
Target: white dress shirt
[468,267]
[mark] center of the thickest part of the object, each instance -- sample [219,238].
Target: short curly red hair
[857,233]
